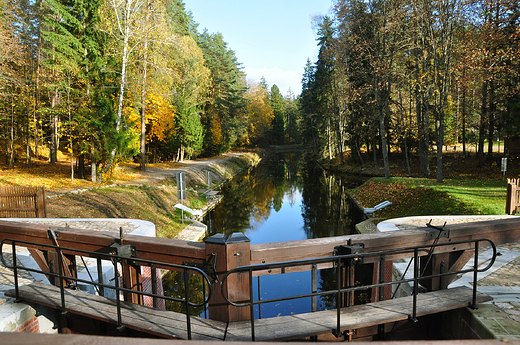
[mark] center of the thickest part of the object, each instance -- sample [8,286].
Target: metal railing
[100,286]
[341,260]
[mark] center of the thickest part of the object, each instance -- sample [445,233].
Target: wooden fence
[513,191]
[22,202]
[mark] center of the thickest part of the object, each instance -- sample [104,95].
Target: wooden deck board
[303,325]
[170,324]
[154,321]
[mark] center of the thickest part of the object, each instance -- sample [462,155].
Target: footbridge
[217,279]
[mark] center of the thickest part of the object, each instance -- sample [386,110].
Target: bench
[22,202]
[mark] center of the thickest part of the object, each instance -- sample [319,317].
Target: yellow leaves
[260,112]
[159,117]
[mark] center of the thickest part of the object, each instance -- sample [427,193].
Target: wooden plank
[361,316]
[13,338]
[158,322]
[148,248]
[23,202]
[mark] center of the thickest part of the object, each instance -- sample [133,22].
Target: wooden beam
[360,316]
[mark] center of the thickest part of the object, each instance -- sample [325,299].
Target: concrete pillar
[231,252]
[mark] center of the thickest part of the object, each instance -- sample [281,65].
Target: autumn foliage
[409,201]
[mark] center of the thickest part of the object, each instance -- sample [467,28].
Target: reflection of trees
[362,276]
[173,284]
[326,207]
[327,210]
[255,193]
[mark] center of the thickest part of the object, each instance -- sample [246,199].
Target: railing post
[434,266]
[510,198]
[132,280]
[231,251]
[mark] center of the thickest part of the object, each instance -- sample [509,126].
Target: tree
[260,114]
[224,114]
[124,22]
[278,124]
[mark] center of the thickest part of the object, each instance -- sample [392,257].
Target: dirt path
[150,195]
[194,169]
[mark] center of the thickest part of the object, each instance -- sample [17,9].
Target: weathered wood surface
[513,195]
[147,248]
[22,202]
[177,252]
[166,324]
[76,339]
[499,231]
[361,316]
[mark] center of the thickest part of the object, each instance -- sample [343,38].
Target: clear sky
[271,38]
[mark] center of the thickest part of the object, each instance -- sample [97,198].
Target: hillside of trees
[106,81]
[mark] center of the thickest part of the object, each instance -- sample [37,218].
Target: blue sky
[271,38]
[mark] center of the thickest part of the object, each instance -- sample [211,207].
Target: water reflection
[286,197]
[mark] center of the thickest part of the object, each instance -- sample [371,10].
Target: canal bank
[149,195]
[498,319]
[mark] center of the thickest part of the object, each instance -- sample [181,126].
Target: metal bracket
[124,250]
[209,266]
[439,232]
[356,248]
[338,335]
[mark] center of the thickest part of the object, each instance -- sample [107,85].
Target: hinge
[356,248]
[209,266]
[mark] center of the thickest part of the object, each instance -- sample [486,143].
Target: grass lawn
[422,197]
[486,197]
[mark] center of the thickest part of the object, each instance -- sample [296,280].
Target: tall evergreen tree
[278,127]
[224,118]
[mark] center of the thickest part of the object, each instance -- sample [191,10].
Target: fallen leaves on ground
[409,201]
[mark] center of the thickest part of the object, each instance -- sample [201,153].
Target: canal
[286,197]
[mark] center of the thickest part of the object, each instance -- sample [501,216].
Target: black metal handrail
[100,286]
[339,260]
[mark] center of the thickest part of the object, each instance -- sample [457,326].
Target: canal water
[286,197]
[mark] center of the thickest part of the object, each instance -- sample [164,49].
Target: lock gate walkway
[169,324]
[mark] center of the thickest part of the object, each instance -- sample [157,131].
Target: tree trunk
[81,166]
[37,81]
[93,168]
[11,144]
[440,143]
[464,121]
[483,118]
[70,134]
[143,93]
[491,117]
[422,125]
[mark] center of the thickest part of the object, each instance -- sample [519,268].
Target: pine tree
[277,103]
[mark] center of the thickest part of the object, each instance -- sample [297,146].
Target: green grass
[484,197]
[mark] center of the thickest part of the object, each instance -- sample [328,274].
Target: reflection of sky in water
[311,205]
[281,226]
